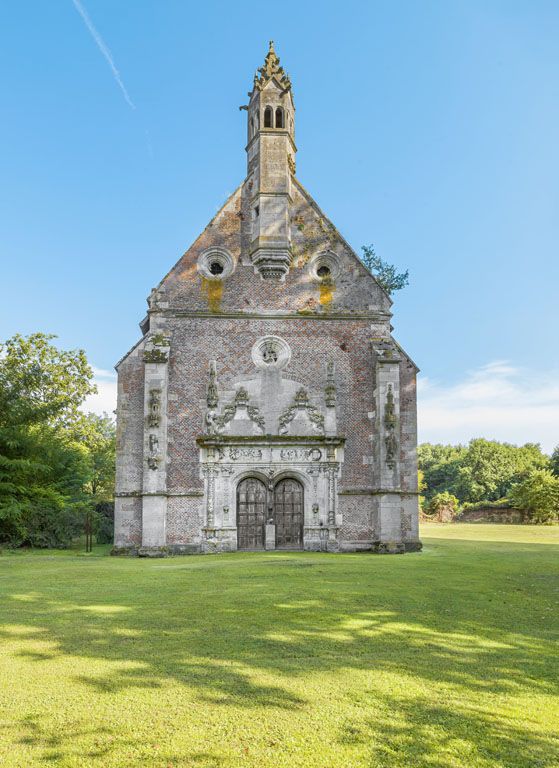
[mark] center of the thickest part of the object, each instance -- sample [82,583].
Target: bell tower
[271,163]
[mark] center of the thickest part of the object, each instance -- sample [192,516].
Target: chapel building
[267,405]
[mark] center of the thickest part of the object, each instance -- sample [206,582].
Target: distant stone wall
[493,515]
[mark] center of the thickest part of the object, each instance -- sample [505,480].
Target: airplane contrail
[104,50]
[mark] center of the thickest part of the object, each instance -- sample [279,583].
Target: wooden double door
[281,504]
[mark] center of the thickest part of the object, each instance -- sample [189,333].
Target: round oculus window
[215,264]
[271,352]
[325,266]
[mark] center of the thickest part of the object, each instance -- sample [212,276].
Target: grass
[442,658]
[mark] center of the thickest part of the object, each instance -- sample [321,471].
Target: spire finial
[272,69]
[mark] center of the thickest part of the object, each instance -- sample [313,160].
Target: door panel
[251,513]
[288,514]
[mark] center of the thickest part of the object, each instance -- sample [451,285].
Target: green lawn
[443,658]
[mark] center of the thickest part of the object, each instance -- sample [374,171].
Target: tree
[554,461]
[385,273]
[97,434]
[484,470]
[538,494]
[489,469]
[421,486]
[444,506]
[43,469]
[40,383]
[440,465]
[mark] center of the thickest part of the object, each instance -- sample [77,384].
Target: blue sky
[427,128]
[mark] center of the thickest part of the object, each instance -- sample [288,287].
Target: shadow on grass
[430,735]
[57,748]
[475,621]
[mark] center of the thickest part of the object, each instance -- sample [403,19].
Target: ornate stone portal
[284,437]
[315,464]
[267,404]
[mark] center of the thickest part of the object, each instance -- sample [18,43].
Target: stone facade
[267,404]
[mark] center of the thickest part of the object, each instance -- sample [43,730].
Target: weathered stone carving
[291,454]
[155,356]
[211,395]
[154,406]
[254,415]
[210,474]
[330,389]
[153,458]
[156,299]
[211,428]
[291,164]
[241,401]
[244,453]
[390,425]
[269,352]
[160,340]
[301,403]
[386,350]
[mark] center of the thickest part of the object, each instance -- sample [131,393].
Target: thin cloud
[497,401]
[104,401]
[104,50]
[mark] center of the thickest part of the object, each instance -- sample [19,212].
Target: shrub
[538,494]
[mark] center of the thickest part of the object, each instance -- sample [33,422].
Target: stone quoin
[267,405]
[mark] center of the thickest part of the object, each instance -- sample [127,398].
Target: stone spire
[271,165]
[271,69]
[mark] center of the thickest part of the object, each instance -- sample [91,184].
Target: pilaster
[154,485]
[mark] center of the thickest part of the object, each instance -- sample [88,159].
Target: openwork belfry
[267,405]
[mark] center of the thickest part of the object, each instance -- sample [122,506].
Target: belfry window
[268,114]
[279,118]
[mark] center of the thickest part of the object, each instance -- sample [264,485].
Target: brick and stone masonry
[267,405]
